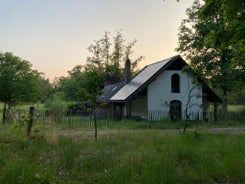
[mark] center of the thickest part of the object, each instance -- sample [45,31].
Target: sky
[54,34]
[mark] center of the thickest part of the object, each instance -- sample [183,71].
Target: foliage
[207,39]
[110,62]
[233,14]
[93,85]
[107,59]
[85,87]
[72,84]
[46,89]
[56,105]
[18,82]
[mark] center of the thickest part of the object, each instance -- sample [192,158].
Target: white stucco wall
[160,95]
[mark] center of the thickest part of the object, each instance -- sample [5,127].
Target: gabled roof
[210,95]
[148,74]
[144,77]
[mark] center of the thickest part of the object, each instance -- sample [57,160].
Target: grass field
[126,152]
[124,155]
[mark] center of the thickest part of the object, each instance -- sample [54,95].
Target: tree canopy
[107,58]
[212,39]
[18,82]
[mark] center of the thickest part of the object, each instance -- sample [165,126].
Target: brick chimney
[127,71]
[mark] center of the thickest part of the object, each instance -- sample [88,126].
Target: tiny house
[163,90]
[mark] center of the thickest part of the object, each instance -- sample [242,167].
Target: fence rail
[43,116]
[107,117]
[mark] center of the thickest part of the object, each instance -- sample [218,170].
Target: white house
[161,90]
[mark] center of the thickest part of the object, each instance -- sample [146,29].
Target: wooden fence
[42,116]
[106,118]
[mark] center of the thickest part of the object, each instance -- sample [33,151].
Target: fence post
[30,121]
[215,112]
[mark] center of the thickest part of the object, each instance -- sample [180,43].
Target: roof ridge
[169,58]
[154,63]
[141,78]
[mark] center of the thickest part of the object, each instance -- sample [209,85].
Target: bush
[56,106]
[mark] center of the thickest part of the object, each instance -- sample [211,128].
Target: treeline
[19,83]
[107,58]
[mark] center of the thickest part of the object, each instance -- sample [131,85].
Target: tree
[46,88]
[71,84]
[84,86]
[108,57]
[231,35]
[206,40]
[18,82]
[233,15]
[93,85]
[193,93]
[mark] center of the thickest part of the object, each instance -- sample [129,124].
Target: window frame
[175,83]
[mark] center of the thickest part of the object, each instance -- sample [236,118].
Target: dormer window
[175,83]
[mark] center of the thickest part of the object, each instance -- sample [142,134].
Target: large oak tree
[18,82]
[212,39]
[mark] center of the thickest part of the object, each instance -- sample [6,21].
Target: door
[175,110]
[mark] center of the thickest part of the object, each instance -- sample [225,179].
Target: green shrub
[56,106]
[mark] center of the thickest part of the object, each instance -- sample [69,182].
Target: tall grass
[121,156]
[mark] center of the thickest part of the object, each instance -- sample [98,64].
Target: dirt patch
[232,130]
[87,133]
[111,133]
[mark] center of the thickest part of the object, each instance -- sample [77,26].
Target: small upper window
[175,83]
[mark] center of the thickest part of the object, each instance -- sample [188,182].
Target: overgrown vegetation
[122,155]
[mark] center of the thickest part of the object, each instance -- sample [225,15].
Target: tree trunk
[186,117]
[95,123]
[215,112]
[224,105]
[4,113]
[185,126]
[30,122]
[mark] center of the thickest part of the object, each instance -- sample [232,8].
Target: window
[175,83]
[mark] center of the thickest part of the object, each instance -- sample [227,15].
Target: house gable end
[142,80]
[149,73]
[178,64]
